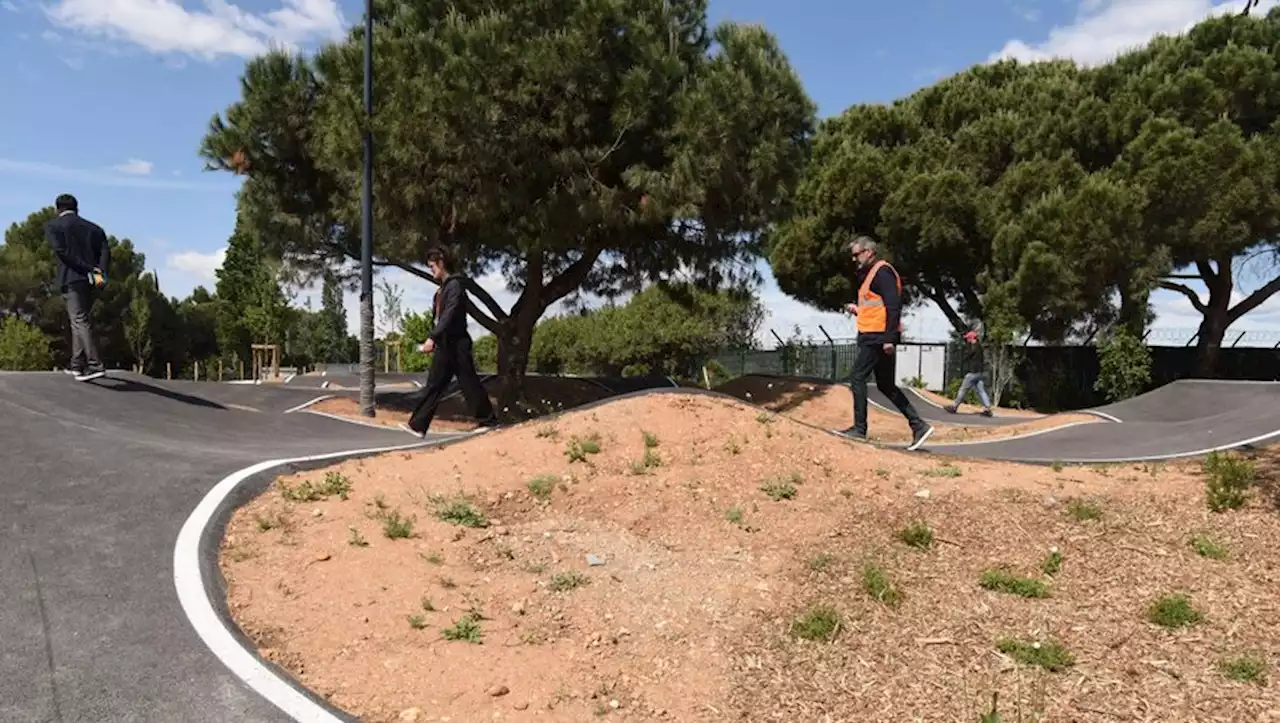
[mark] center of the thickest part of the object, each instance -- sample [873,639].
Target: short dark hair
[438,255]
[66,202]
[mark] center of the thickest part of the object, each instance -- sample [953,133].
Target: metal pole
[366,226]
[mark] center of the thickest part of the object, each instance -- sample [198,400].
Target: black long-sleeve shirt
[885,283]
[971,358]
[450,310]
[80,245]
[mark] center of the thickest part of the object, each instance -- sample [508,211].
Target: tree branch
[1254,300]
[492,323]
[941,300]
[571,278]
[1186,291]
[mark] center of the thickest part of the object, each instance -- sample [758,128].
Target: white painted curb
[304,405]
[189,583]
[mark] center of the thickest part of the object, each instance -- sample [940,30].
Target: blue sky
[108,99]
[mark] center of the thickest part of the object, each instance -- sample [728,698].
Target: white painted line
[189,582]
[304,405]
[1103,415]
[415,381]
[289,378]
[1024,435]
[1121,460]
[324,384]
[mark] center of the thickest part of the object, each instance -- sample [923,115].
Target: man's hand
[852,309]
[428,346]
[888,348]
[97,278]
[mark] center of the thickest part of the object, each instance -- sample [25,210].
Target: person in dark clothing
[972,364]
[83,260]
[450,344]
[879,313]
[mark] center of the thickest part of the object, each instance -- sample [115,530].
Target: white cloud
[134,167]
[1104,29]
[201,267]
[103,178]
[7,5]
[166,27]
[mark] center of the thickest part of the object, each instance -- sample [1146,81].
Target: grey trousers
[84,352]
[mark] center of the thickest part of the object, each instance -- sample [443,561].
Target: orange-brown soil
[674,573]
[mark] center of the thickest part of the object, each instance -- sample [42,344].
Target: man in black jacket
[879,313]
[83,259]
[451,345]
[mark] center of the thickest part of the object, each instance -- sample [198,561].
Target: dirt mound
[685,558]
[830,405]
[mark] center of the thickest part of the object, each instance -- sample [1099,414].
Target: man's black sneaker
[919,437]
[853,434]
[490,422]
[90,374]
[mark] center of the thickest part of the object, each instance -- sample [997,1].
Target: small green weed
[1006,582]
[1174,611]
[427,605]
[650,440]
[355,539]
[579,447]
[942,470]
[397,527]
[778,490]
[734,515]
[548,431]
[1082,511]
[876,583]
[732,446]
[817,623]
[1229,478]
[432,557]
[646,464]
[266,523]
[821,561]
[917,535]
[1052,564]
[417,622]
[1246,668]
[566,581]
[335,484]
[1205,547]
[543,485]
[1048,655]
[1057,466]
[447,583]
[460,511]
[466,628]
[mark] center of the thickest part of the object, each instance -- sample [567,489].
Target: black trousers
[452,358]
[84,351]
[872,359]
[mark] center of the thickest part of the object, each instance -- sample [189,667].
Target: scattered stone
[500,531]
[923,493]
[1050,501]
[594,560]
[519,607]
[324,557]
[614,704]
[410,715]
[498,691]
[521,705]
[317,512]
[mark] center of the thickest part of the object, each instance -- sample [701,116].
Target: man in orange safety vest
[879,313]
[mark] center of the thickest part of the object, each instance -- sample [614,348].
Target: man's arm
[59,244]
[886,285]
[450,306]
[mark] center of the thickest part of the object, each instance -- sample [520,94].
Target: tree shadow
[118,384]
[778,394]
[1266,462]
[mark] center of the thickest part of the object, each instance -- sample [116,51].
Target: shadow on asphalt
[117,384]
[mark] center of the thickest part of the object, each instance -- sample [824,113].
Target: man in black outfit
[879,312]
[451,345]
[83,259]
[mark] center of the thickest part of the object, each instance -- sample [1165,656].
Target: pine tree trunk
[366,356]
[513,361]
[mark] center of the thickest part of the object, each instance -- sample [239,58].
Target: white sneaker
[410,430]
[920,438]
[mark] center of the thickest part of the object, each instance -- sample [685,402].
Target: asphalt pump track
[97,613]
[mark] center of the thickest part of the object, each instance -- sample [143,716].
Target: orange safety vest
[872,317]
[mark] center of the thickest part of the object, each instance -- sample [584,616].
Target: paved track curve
[98,478]
[1186,418]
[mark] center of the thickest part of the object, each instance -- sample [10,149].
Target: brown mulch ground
[830,406]
[690,615]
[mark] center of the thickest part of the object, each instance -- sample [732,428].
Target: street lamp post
[367,407]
